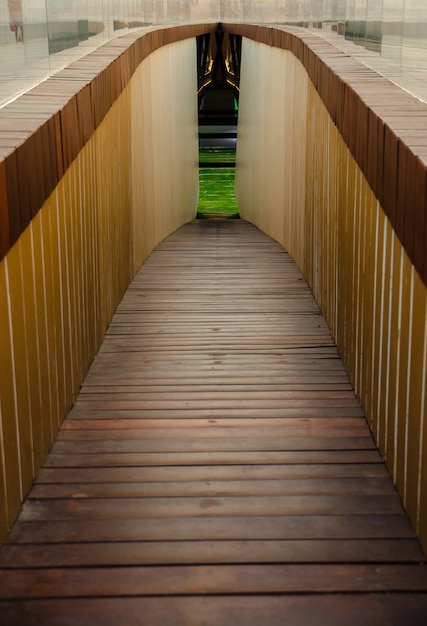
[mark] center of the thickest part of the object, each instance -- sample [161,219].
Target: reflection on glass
[24,57]
[38,37]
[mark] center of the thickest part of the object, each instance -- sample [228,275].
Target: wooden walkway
[216,467]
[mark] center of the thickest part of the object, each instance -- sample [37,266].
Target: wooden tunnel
[98,164]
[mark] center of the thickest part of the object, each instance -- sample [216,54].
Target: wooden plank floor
[216,467]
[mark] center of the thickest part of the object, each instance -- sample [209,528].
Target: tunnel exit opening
[218,58]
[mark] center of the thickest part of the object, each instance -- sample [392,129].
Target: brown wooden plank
[81,411]
[89,391]
[194,404]
[123,508]
[245,433]
[318,486]
[337,526]
[210,580]
[185,473]
[204,428]
[277,360]
[209,397]
[212,552]
[234,444]
[252,610]
[212,458]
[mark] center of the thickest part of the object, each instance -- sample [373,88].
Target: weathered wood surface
[216,464]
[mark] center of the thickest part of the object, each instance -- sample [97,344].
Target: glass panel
[39,37]
[24,54]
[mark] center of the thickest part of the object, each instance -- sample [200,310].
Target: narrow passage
[216,467]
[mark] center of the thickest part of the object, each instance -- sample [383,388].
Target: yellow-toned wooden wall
[165,164]
[302,186]
[134,182]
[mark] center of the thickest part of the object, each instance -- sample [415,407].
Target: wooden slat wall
[53,303]
[164,112]
[83,202]
[272,119]
[307,190]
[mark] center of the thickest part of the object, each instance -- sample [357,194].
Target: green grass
[216,192]
[218,154]
[216,185]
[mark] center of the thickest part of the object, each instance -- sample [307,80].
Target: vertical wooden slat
[4,212]
[34,369]
[309,213]
[414,206]
[38,252]
[65,291]
[56,130]
[415,405]
[19,341]
[394,348]
[390,171]
[403,388]
[18,218]
[10,432]
[73,209]
[43,147]
[384,329]
[368,284]
[4,526]
[422,486]
[83,209]
[420,203]
[52,323]
[56,281]
[359,263]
